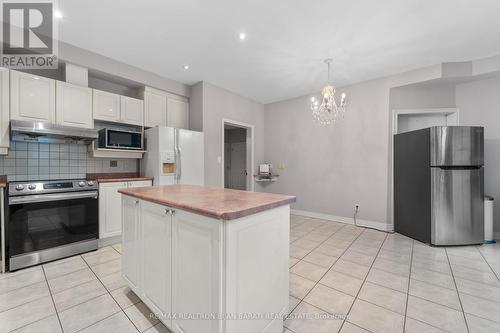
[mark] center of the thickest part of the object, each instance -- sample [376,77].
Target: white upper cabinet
[106,106]
[132,111]
[32,97]
[4,110]
[155,108]
[177,112]
[73,105]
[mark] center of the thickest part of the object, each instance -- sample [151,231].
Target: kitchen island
[208,259]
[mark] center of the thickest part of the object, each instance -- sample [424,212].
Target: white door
[196,287]
[190,160]
[131,243]
[106,106]
[132,111]
[177,113]
[155,109]
[238,172]
[73,105]
[32,97]
[157,257]
[110,213]
[4,110]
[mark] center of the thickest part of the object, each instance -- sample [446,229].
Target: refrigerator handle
[177,149]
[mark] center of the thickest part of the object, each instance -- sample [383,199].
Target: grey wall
[34,161]
[221,104]
[423,96]
[332,168]
[196,107]
[479,104]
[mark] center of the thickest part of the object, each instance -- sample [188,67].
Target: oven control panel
[54,186]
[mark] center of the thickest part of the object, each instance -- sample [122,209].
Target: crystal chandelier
[328,111]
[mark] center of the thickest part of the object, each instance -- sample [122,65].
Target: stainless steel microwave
[120,139]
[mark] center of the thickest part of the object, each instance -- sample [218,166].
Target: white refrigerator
[174,156]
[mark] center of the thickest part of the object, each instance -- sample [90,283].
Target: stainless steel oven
[50,220]
[120,139]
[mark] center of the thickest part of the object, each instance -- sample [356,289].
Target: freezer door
[457,206]
[190,160]
[457,145]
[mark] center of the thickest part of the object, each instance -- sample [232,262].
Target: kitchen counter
[116,177]
[213,202]
[207,259]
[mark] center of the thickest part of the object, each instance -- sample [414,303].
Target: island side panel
[257,255]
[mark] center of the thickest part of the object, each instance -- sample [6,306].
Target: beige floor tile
[369,250]
[387,298]
[470,252]
[330,250]
[292,261]
[337,243]
[436,294]
[481,307]
[117,323]
[342,282]
[443,280]
[292,303]
[23,295]
[299,286]
[436,315]
[125,297]
[47,325]
[309,271]
[478,289]
[101,256]
[118,247]
[475,275]
[113,281]
[481,325]
[394,256]
[358,258]
[159,328]
[389,280]
[306,244]
[477,264]
[347,327]
[392,267]
[375,318]
[20,272]
[26,314]
[107,268]
[350,268]
[141,316]
[432,265]
[65,266]
[329,300]
[415,326]
[15,281]
[320,259]
[307,318]
[95,310]
[298,252]
[70,280]
[79,294]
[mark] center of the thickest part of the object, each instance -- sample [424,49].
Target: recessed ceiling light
[242,36]
[186,67]
[58,14]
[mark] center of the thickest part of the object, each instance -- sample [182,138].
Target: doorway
[237,155]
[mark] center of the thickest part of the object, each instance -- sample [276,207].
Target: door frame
[454,112]
[250,150]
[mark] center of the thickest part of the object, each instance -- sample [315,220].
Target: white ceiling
[287,40]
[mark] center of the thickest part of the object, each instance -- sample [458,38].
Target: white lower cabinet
[131,243]
[110,213]
[156,248]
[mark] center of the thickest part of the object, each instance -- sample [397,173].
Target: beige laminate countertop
[116,177]
[3,181]
[213,202]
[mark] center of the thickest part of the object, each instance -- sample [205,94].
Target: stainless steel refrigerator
[439,185]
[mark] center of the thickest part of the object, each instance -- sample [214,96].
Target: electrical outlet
[113,164]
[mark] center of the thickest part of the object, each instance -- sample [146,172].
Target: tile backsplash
[42,161]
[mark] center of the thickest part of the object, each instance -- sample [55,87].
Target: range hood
[37,131]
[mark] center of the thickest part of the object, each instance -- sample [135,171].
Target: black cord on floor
[362,226]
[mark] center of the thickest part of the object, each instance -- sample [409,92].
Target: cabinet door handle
[136,202]
[169,211]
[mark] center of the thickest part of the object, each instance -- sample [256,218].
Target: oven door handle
[51,197]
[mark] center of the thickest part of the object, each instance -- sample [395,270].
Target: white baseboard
[102,242]
[347,220]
